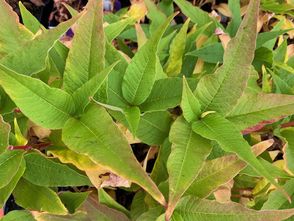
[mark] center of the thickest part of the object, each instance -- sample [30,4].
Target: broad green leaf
[45,172]
[138,205]
[38,198]
[46,106]
[133,117]
[166,93]
[212,53]
[73,200]
[107,200]
[166,6]
[12,33]
[159,172]
[96,210]
[234,6]
[141,72]
[4,135]
[288,134]
[217,128]
[18,215]
[188,153]
[66,155]
[221,90]
[191,208]
[114,29]
[278,7]
[196,15]
[86,56]
[79,216]
[190,105]
[83,94]
[174,63]
[151,214]
[264,37]
[276,200]
[221,170]
[253,108]
[154,127]
[30,21]
[6,191]
[37,48]
[86,134]
[10,162]
[156,16]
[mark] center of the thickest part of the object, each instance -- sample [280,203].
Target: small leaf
[287,133]
[141,72]
[107,200]
[10,162]
[114,29]
[173,65]
[38,198]
[84,135]
[6,191]
[190,105]
[20,139]
[73,200]
[133,117]
[46,106]
[18,215]
[86,56]
[4,135]
[42,171]
[30,21]
[188,153]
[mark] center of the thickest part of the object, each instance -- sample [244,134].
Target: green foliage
[196,126]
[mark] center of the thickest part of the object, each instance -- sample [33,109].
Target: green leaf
[221,90]
[114,29]
[276,200]
[38,198]
[288,133]
[190,105]
[10,162]
[215,127]
[73,200]
[30,21]
[191,208]
[79,216]
[84,135]
[166,93]
[18,215]
[37,48]
[253,108]
[234,6]
[42,171]
[188,153]
[86,56]
[107,200]
[154,127]
[46,106]
[221,170]
[174,63]
[264,37]
[133,118]
[83,94]
[141,72]
[4,135]
[156,16]
[212,53]
[196,15]
[12,33]
[159,172]
[6,191]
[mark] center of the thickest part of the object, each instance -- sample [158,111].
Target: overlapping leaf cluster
[89,101]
